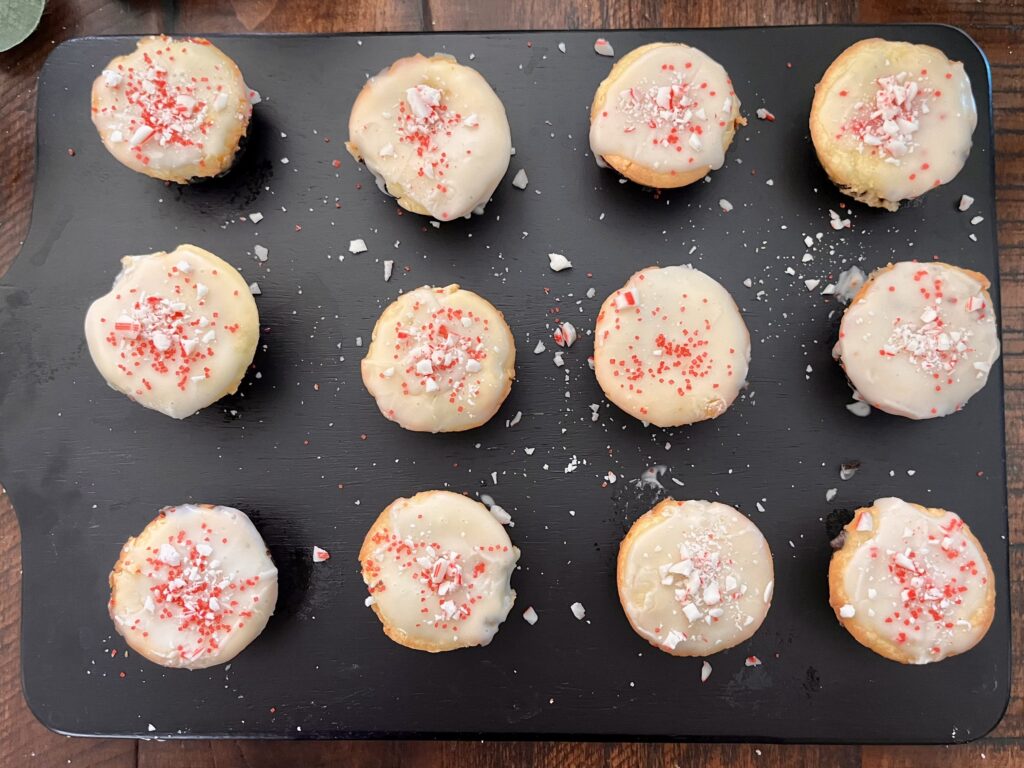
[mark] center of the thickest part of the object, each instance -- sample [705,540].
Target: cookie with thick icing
[173,109]
[440,360]
[892,120]
[194,588]
[438,567]
[665,115]
[695,577]
[919,339]
[177,331]
[434,134]
[911,583]
[670,347]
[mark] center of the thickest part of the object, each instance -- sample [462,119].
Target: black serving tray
[86,468]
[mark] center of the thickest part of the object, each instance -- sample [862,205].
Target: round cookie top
[911,583]
[434,134]
[891,120]
[670,347]
[438,567]
[172,109]
[919,339]
[440,360]
[176,332]
[194,588]
[664,110]
[695,577]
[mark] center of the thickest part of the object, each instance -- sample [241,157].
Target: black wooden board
[86,468]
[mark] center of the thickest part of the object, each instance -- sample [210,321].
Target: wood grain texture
[999,29]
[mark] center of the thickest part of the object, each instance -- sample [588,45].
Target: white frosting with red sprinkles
[895,118]
[435,135]
[920,339]
[695,577]
[172,109]
[670,347]
[438,567]
[918,581]
[194,588]
[176,332]
[440,360]
[668,110]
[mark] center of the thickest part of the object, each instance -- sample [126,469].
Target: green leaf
[18,20]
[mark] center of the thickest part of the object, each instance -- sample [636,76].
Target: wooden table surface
[997,25]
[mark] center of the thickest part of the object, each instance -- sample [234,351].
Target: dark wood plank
[998,27]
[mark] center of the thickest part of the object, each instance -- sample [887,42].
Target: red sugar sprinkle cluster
[192,592]
[673,114]
[424,121]
[447,586]
[160,336]
[171,110]
[441,354]
[928,598]
[678,362]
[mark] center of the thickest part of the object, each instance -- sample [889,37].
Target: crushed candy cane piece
[603,48]
[319,555]
[578,610]
[357,246]
[530,616]
[565,335]
[558,262]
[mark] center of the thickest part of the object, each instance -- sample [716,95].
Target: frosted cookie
[172,109]
[664,116]
[911,583]
[176,332]
[670,347]
[194,588]
[918,340]
[440,360]
[434,134]
[438,567]
[695,577]
[892,120]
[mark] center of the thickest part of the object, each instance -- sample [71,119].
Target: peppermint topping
[887,124]
[449,585]
[193,592]
[162,336]
[443,352]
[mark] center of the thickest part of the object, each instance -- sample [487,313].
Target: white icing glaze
[920,339]
[194,588]
[670,347]
[176,332]
[173,109]
[696,580]
[896,118]
[441,360]
[919,581]
[435,133]
[438,567]
[669,111]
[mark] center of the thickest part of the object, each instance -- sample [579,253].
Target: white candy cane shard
[558,262]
